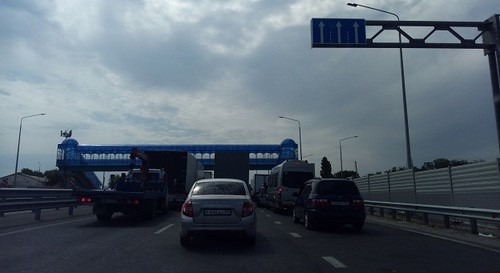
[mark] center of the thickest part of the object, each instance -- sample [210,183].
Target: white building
[23,181]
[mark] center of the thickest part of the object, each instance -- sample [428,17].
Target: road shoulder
[487,239]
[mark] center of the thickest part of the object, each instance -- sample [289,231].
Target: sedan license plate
[339,203]
[217,212]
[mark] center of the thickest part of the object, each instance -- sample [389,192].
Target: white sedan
[218,206]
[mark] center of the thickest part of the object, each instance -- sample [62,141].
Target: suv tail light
[187,208]
[319,203]
[247,209]
[358,204]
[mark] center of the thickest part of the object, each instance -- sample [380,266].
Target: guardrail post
[2,200]
[446,221]
[426,218]
[473,226]
[394,214]
[408,215]
[371,210]
[38,213]
[70,210]
[381,212]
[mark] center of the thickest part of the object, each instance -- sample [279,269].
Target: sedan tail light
[187,208]
[247,209]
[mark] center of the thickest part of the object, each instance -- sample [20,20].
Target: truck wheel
[103,217]
[151,215]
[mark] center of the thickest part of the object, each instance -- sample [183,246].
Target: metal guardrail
[12,200]
[472,214]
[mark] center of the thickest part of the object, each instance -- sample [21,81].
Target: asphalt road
[79,243]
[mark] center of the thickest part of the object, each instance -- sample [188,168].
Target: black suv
[329,201]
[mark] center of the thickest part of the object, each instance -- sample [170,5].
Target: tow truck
[142,191]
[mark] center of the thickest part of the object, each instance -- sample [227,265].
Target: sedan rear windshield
[224,188]
[336,187]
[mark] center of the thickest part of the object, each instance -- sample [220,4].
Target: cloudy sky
[220,71]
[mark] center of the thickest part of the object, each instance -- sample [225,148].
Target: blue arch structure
[73,156]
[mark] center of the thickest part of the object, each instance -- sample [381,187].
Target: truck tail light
[187,208]
[85,199]
[247,209]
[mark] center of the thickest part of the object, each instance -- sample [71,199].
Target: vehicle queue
[225,207]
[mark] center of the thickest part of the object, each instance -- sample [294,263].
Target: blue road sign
[328,32]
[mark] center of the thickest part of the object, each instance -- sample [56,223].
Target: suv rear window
[336,187]
[224,188]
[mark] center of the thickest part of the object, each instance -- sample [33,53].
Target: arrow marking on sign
[339,27]
[321,38]
[356,40]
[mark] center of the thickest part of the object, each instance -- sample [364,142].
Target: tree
[31,172]
[440,163]
[326,168]
[395,169]
[54,177]
[346,174]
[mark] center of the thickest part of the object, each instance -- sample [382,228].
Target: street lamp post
[300,134]
[340,144]
[19,143]
[409,161]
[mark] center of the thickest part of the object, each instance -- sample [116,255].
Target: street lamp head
[352,4]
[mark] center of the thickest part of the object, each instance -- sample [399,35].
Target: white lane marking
[268,215]
[277,222]
[296,235]
[336,263]
[46,226]
[164,228]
